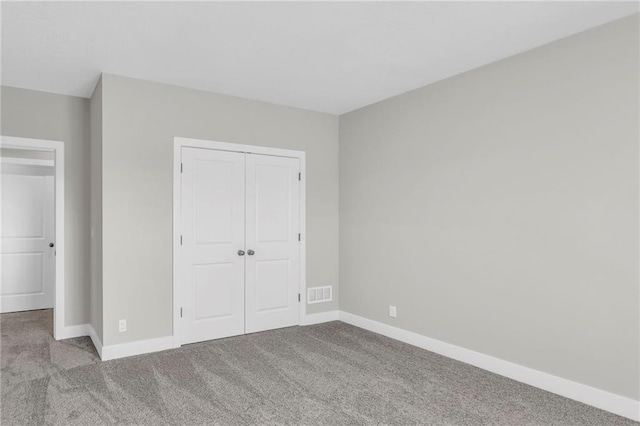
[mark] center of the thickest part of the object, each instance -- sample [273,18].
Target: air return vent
[318,294]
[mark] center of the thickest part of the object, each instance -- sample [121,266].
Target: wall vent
[319,294]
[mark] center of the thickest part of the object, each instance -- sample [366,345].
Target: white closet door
[213,197]
[272,227]
[28,263]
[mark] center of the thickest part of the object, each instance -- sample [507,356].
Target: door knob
[240,252]
[251,252]
[50,244]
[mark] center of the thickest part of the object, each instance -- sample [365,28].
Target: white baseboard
[159,344]
[96,340]
[81,330]
[318,318]
[598,398]
[71,331]
[136,348]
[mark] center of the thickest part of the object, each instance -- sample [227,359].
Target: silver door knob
[240,252]
[251,252]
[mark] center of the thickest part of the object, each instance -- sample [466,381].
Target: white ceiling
[329,57]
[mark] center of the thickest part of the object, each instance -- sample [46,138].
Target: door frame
[57,147]
[26,161]
[182,142]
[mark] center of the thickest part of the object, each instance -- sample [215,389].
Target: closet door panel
[272,227]
[213,215]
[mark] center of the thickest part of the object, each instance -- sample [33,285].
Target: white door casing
[212,234]
[272,229]
[28,227]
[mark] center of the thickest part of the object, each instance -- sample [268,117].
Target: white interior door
[273,256]
[28,263]
[212,215]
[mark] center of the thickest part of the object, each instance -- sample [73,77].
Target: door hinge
[180,312]
[298,297]
[299,176]
[181,167]
[180,239]
[299,237]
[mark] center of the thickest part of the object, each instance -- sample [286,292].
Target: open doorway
[32,228]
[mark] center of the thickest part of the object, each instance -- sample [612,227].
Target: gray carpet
[324,374]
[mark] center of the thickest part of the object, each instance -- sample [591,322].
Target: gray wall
[498,209]
[39,115]
[140,120]
[96,210]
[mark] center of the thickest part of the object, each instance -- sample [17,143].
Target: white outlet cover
[122,325]
[392,311]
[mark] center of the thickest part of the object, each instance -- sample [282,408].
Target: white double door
[240,243]
[28,262]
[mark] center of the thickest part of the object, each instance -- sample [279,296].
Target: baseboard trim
[162,343]
[96,340]
[136,348]
[82,330]
[72,331]
[320,317]
[598,398]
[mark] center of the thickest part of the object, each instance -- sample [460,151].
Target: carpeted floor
[330,373]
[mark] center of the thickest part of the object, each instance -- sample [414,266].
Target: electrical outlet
[122,326]
[392,311]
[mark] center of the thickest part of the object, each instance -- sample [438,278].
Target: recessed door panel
[212,206]
[214,192]
[214,290]
[23,206]
[272,285]
[273,203]
[272,226]
[22,273]
[28,263]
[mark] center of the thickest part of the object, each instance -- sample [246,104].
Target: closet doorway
[238,257]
